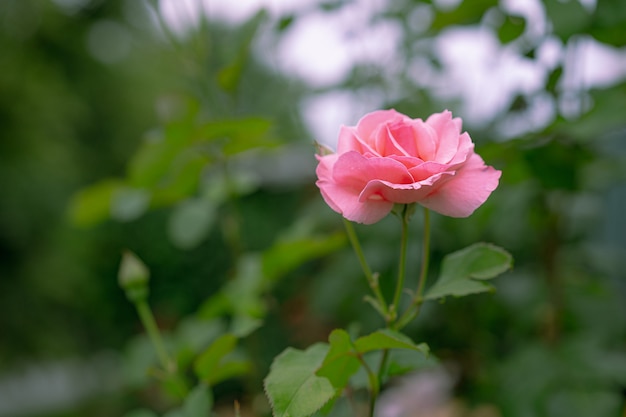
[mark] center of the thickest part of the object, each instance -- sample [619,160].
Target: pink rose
[389,158]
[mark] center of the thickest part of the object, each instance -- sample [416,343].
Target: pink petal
[403,193]
[466,191]
[427,169]
[386,144]
[342,178]
[448,131]
[355,170]
[426,140]
[349,140]
[324,172]
[403,139]
[371,122]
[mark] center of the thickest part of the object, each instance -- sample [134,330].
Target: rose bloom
[389,158]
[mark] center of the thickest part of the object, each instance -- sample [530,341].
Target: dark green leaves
[345,357]
[301,382]
[463,272]
[216,364]
[292,386]
[512,27]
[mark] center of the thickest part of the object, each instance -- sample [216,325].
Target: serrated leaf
[387,339]
[340,362]
[463,272]
[343,358]
[292,387]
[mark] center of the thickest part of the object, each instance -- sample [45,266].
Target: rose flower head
[389,158]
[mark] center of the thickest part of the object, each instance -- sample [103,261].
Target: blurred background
[184,131]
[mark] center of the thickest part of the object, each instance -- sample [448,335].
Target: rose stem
[413,310]
[373,282]
[402,265]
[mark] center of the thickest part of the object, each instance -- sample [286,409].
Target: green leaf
[286,255]
[341,360]
[191,222]
[181,179]
[403,361]
[292,387]
[175,384]
[242,325]
[195,333]
[568,18]
[92,205]
[236,135]
[511,29]
[228,369]
[174,412]
[216,364]
[462,272]
[388,339]
[156,154]
[142,412]
[128,203]
[198,403]
[466,13]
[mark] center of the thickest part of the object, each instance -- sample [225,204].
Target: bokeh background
[184,131]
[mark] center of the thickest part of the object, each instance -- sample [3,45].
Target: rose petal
[425,140]
[342,179]
[420,172]
[371,122]
[355,171]
[466,191]
[402,139]
[349,140]
[447,131]
[403,193]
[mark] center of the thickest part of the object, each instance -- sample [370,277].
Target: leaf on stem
[215,365]
[344,356]
[341,361]
[388,339]
[463,272]
[292,386]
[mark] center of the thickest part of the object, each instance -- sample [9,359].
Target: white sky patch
[484,74]
[550,52]
[181,16]
[532,11]
[321,48]
[239,11]
[600,65]
[325,113]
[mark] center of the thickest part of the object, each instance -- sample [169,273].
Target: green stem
[425,254]
[374,386]
[371,279]
[402,264]
[413,310]
[145,314]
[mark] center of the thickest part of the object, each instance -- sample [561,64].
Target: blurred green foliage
[165,149]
